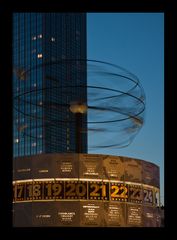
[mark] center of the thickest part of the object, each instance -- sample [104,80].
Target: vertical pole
[78,132]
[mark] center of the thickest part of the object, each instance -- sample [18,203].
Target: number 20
[73,189]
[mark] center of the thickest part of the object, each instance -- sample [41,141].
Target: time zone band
[56,190]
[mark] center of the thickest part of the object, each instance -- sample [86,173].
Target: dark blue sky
[135,41]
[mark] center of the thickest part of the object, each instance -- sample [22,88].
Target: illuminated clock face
[55,189]
[20,191]
[85,190]
[75,190]
[148,196]
[98,190]
[119,191]
[135,193]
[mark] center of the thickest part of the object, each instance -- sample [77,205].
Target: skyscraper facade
[46,76]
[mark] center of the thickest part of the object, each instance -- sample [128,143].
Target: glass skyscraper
[47,49]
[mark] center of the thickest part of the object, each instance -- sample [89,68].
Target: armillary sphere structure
[106,103]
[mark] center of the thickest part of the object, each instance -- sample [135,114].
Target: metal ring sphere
[114,100]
